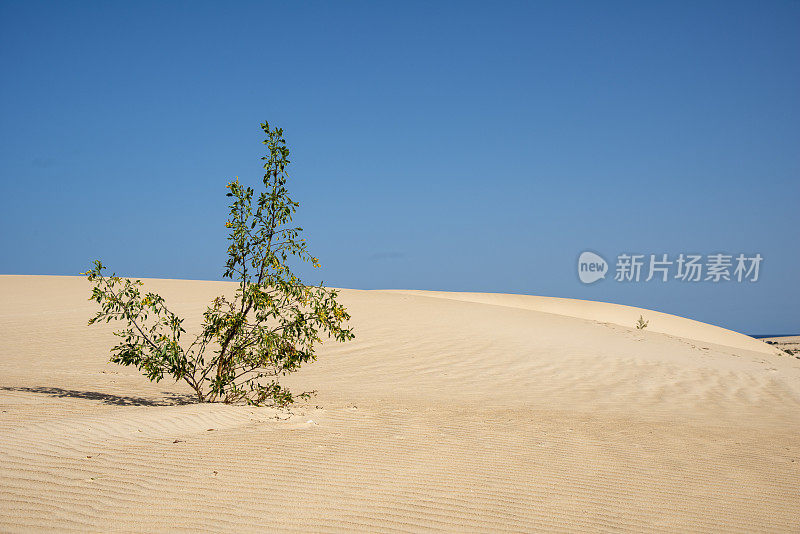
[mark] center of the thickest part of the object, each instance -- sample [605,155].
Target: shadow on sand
[170,399]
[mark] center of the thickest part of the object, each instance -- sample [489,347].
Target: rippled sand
[450,411]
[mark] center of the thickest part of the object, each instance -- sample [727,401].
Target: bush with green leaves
[641,324]
[269,328]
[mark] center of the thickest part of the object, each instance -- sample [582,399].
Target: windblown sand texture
[449,412]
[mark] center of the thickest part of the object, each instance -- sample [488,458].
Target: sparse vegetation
[641,324]
[268,329]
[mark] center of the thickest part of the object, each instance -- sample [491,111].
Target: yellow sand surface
[461,412]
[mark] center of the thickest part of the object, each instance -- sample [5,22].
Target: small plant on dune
[268,329]
[641,324]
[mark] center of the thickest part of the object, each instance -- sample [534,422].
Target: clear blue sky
[445,145]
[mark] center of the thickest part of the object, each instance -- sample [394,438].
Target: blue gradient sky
[452,146]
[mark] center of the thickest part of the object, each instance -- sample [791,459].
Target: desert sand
[788,344]
[448,412]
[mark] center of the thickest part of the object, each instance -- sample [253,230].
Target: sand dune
[611,313]
[450,412]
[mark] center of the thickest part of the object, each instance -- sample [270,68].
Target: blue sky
[449,145]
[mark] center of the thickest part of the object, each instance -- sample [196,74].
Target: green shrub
[641,324]
[269,328]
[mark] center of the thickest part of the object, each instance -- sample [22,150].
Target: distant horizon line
[755,336]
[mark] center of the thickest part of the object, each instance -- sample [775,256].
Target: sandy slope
[456,412]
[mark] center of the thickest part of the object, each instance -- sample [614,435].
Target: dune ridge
[610,313]
[449,412]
